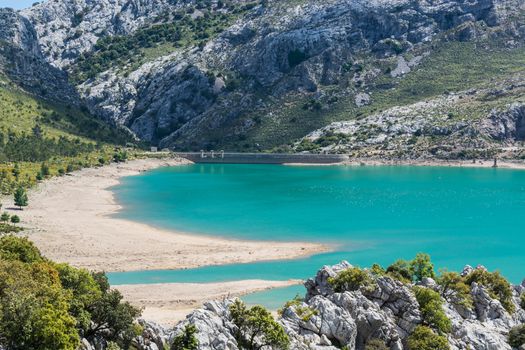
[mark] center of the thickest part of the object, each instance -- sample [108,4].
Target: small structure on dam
[261,158]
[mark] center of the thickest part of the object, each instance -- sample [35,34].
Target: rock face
[429,130]
[389,311]
[233,82]
[22,61]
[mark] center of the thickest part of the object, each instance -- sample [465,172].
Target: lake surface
[373,214]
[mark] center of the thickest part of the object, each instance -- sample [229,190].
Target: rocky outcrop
[389,311]
[22,61]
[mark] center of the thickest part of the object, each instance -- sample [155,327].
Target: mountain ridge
[256,75]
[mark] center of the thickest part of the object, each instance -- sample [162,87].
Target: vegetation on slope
[451,67]
[44,305]
[37,135]
[190,27]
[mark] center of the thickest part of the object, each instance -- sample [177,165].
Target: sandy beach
[69,219]
[170,302]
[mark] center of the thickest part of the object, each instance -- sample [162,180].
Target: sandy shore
[70,221]
[171,302]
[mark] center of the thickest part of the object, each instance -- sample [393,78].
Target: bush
[186,340]
[400,270]
[454,289]
[423,338]
[517,336]
[498,287]
[431,307]
[350,279]
[522,301]
[257,325]
[19,249]
[376,344]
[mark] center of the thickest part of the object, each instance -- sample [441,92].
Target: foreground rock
[328,320]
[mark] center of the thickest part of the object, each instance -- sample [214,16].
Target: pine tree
[21,199]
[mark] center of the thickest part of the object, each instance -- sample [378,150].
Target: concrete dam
[262,158]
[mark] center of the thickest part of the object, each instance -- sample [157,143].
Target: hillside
[250,75]
[42,118]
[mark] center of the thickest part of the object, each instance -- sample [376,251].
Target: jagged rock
[22,61]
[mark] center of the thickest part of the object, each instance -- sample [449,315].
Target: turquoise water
[373,214]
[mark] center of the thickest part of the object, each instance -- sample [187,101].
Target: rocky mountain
[248,75]
[384,313]
[21,59]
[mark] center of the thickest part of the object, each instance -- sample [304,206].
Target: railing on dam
[261,158]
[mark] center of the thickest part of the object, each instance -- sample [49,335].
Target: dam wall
[262,158]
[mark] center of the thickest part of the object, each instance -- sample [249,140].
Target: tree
[423,338]
[421,267]
[16,171]
[454,289]
[44,170]
[34,308]
[257,328]
[19,249]
[21,199]
[15,219]
[186,340]
[110,316]
[5,217]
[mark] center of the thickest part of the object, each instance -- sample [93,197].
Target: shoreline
[70,220]
[483,164]
[169,303]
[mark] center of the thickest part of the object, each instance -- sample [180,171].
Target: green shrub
[522,301]
[423,338]
[186,340]
[256,325]
[376,344]
[400,270]
[19,249]
[350,279]
[454,289]
[431,307]
[517,336]
[498,287]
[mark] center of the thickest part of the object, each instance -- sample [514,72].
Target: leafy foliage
[498,287]
[454,289]
[400,270]
[522,301]
[304,312]
[19,249]
[351,279]
[423,338]
[257,328]
[517,336]
[376,344]
[421,267]
[47,306]
[186,340]
[21,199]
[431,307]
